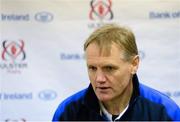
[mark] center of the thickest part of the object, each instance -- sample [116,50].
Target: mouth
[102,88]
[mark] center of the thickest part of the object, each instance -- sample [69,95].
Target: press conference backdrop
[41,49]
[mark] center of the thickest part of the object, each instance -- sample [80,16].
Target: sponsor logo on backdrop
[13,56]
[15,17]
[47,95]
[164,15]
[43,17]
[13,50]
[71,56]
[16,96]
[15,120]
[100,11]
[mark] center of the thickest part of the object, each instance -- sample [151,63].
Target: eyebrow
[111,65]
[104,65]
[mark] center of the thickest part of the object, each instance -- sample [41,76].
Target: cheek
[91,77]
[120,83]
[92,81]
[122,77]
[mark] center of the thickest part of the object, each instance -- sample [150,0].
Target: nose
[100,77]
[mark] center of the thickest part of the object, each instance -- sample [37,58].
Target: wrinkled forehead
[104,50]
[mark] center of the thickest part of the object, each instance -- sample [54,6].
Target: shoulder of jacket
[75,97]
[156,96]
[68,103]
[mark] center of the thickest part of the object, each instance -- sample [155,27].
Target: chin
[103,98]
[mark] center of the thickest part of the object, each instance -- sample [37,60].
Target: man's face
[110,76]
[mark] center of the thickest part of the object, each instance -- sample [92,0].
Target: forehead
[93,51]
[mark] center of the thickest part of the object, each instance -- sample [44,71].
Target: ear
[134,64]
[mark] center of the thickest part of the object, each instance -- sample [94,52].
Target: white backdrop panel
[36,77]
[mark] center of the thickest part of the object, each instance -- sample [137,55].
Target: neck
[117,105]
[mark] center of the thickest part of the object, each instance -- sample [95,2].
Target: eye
[92,68]
[110,68]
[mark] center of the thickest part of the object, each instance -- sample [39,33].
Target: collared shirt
[108,115]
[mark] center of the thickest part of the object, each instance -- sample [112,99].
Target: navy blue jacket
[145,104]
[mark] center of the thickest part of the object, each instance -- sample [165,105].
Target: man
[114,92]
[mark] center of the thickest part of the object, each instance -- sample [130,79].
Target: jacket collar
[91,100]
[136,91]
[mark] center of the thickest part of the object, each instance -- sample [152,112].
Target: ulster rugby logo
[13,56]
[13,50]
[101,9]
